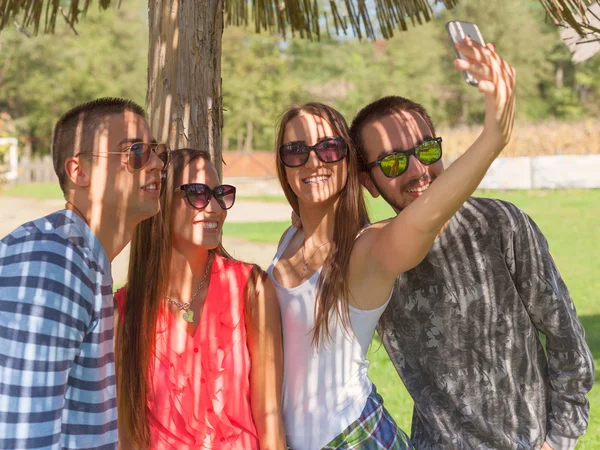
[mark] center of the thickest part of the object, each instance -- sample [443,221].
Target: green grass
[260,232]
[39,191]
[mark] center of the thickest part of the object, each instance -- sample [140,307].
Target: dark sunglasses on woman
[198,195]
[396,163]
[328,150]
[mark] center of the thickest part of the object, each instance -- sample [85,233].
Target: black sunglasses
[199,194]
[396,163]
[328,150]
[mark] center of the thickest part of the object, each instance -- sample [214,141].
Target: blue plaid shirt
[57,377]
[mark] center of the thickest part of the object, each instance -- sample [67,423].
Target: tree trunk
[559,74]
[249,134]
[225,141]
[240,140]
[184,74]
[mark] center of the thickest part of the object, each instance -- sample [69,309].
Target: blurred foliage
[42,77]
[4,149]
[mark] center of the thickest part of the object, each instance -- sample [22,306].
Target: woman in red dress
[198,342]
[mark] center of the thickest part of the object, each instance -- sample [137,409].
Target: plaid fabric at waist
[374,429]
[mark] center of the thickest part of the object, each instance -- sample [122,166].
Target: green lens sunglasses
[395,164]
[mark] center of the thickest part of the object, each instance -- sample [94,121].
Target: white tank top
[324,391]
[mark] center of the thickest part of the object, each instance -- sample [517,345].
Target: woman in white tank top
[334,277]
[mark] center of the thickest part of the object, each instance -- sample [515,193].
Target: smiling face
[315,182]
[193,228]
[398,131]
[124,195]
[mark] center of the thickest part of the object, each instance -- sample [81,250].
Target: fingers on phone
[462,64]
[510,70]
[486,62]
[467,42]
[482,72]
[473,53]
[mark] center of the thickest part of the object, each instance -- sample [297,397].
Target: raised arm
[402,243]
[265,345]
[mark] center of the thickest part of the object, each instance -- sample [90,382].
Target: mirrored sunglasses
[396,163]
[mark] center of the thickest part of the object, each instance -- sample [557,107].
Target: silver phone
[458,31]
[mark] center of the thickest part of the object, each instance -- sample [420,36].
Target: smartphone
[458,31]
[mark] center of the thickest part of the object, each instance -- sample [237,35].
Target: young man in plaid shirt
[57,377]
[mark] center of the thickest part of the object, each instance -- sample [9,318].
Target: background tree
[184,62]
[184,71]
[257,85]
[262,74]
[42,77]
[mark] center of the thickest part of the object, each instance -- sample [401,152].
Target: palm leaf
[571,13]
[43,13]
[304,18]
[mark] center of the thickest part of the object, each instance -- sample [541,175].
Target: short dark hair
[380,108]
[83,121]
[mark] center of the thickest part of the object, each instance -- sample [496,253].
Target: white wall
[544,172]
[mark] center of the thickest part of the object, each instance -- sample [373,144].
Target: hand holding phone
[458,31]
[494,77]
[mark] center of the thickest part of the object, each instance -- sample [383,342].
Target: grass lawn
[256,231]
[570,220]
[40,191]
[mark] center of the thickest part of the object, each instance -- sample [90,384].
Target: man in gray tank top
[462,328]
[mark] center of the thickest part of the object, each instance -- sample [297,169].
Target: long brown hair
[333,292]
[147,284]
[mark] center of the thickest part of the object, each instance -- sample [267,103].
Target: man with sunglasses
[57,377]
[462,328]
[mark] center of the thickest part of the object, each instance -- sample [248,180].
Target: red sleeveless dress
[200,396]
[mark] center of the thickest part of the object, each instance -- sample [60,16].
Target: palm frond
[572,13]
[309,19]
[43,13]
[303,18]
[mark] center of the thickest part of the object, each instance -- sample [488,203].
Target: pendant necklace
[188,315]
[305,268]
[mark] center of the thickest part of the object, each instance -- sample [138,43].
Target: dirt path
[15,211]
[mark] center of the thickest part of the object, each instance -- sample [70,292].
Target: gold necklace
[188,315]
[305,268]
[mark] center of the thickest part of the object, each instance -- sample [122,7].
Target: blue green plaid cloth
[374,429]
